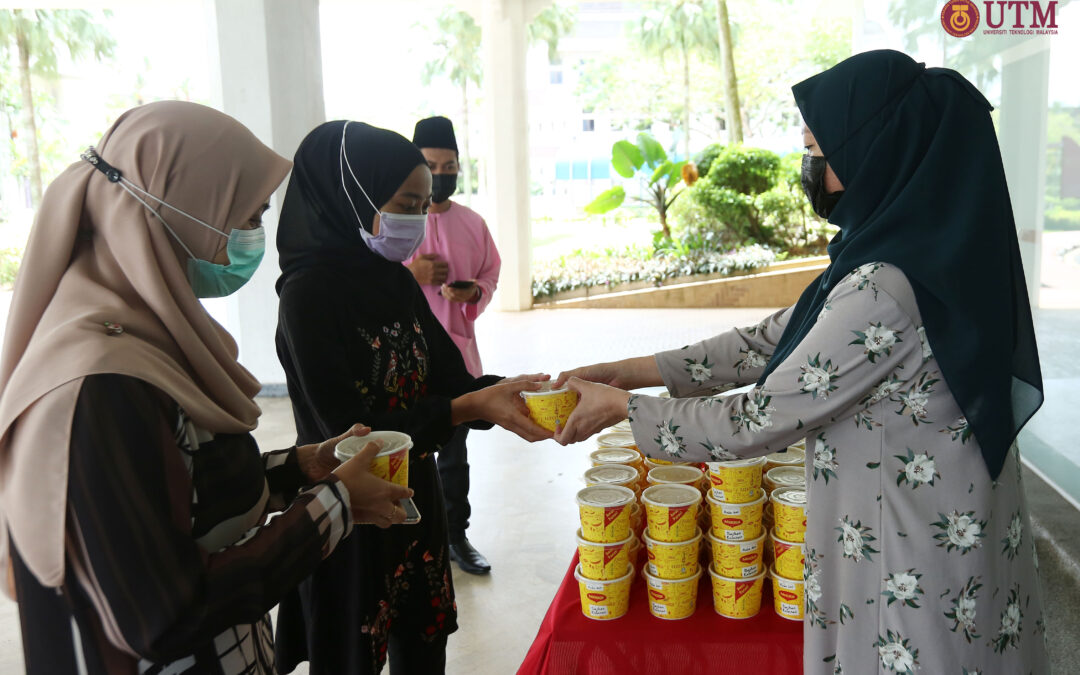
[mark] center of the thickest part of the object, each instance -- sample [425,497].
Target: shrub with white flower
[816,378]
[1013,536]
[756,413]
[1012,618]
[824,459]
[959,531]
[962,612]
[856,539]
[699,372]
[897,654]
[918,469]
[876,340]
[668,440]
[750,360]
[903,587]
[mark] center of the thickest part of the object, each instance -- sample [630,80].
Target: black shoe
[468,558]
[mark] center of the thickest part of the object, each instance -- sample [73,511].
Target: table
[568,643]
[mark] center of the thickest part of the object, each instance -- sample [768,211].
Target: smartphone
[461,284]
[412,514]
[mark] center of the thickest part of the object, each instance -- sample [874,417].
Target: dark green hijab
[924,190]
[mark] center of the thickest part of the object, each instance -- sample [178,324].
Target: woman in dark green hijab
[908,367]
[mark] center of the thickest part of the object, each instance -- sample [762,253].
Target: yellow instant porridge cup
[671,511]
[627,456]
[603,560]
[784,476]
[788,597]
[604,599]
[737,598]
[737,522]
[635,550]
[793,456]
[788,557]
[672,598]
[738,559]
[736,481]
[605,512]
[672,559]
[392,462]
[550,406]
[789,514]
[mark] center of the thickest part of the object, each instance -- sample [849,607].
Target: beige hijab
[96,256]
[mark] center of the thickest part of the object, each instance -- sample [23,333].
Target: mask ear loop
[343,163]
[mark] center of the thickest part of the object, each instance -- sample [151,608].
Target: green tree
[551,25]
[682,26]
[457,35]
[733,112]
[34,35]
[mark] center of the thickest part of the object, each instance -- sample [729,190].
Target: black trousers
[453,463]
[413,656]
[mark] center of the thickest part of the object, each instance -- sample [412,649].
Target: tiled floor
[524,514]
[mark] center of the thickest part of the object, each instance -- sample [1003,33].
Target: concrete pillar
[1025,76]
[278,93]
[506,118]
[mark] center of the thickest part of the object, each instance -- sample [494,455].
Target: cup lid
[786,476]
[614,455]
[545,390]
[671,494]
[605,495]
[794,496]
[675,473]
[616,439]
[737,463]
[611,473]
[389,442]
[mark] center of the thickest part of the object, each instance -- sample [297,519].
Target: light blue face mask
[207,279]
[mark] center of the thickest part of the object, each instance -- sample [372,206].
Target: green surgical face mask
[211,280]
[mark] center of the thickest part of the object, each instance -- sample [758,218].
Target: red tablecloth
[568,643]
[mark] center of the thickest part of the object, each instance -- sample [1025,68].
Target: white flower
[896,657]
[921,469]
[824,456]
[699,373]
[879,338]
[757,416]
[815,379]
[926,353]
[963,530]
[884,390]
[1014,532]
[916,402]
[812,588]
[965,611]
[669,442]
[753,360]
[1010,620]
[853,541]
[902,585]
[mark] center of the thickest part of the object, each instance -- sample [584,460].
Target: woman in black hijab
[908,367]
[356,337]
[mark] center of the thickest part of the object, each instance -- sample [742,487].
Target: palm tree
[458,36]
[682,26]
[550,26]
[733,115]
[35,35]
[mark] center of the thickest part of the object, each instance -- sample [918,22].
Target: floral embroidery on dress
[699,372]
[863,277]
[926,353]
[668,440]
[913,401]
[962,612]
[717,452]
[883,390]
[1012,618]
[903,587]
[856,540]
[756,413]
[631,407]
[751,360]
[960,430]
[1013,536]
[918,469]
[817,378]
[824,459]
[876,340]
[897,654]
[959,531]
[812,589]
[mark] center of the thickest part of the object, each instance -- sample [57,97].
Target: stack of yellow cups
[789,551]
[672,543]
[786,468]
[604,572]
[737,536]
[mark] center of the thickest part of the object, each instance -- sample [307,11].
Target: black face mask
[813,184]
[443,185]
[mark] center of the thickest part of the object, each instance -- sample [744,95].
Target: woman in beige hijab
[133,499]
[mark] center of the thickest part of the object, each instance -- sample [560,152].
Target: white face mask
[400,234]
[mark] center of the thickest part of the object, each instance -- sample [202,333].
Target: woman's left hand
[317,460]
[599,407]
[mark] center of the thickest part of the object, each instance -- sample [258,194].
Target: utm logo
[959,18]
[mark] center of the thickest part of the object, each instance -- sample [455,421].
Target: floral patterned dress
[916,560]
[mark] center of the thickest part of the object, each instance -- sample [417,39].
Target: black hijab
[318,226]
[924,190]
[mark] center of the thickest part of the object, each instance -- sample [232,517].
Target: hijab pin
[111,172]
[113,328]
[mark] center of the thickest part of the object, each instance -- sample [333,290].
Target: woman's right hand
[502,404]
[373,499]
